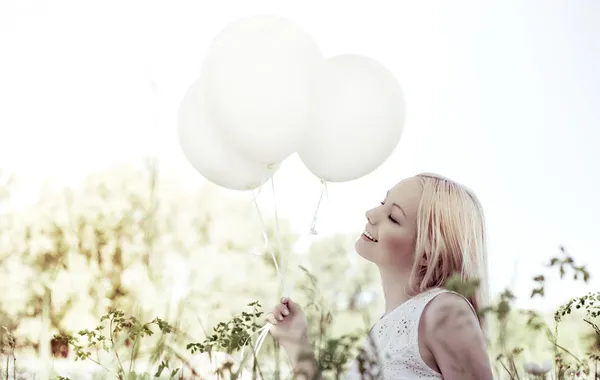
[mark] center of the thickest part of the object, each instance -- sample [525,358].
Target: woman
[426,230]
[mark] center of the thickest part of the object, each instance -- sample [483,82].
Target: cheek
[398,244]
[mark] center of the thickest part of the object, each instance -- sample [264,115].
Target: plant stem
[132,359]
[182,358]
[277,362]
[101,365]
[112,342]
[507,370]
[514,367]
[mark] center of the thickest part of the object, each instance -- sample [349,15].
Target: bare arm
[304,362]
[290,329]
[454,337]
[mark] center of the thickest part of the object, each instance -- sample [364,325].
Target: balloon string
[313,225]
[263,180]
[275,204]
[264,331]
[284,262]
[266,236]
[262,337]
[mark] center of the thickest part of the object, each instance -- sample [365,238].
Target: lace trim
[394,342]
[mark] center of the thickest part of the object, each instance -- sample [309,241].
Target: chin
[362,249]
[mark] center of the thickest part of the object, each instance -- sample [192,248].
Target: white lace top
[393,343]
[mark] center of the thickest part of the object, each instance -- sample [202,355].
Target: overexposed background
[502,96]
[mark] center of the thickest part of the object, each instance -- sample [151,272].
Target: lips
[369,236]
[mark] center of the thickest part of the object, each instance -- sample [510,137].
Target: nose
[372,215]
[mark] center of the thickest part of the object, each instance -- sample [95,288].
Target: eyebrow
[396,204]
[401,209]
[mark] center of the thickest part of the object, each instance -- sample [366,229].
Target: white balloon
[259,73]
[206,151]
[359,119]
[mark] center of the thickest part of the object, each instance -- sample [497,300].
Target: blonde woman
[427,229]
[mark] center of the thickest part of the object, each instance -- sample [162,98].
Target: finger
[281,311]
[291,305]
[271,319]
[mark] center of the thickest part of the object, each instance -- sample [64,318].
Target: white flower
[536,369]
[547,365]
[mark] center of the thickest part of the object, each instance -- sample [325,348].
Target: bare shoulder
[449,311]
[453,336]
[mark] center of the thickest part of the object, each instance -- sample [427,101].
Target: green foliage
[7,348]
[565,363]
[127,221]
[118,328]
[334,353]
[467,288]
[232,335]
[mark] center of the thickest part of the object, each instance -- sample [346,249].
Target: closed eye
[389,216]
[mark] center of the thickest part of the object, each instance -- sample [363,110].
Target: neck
[394,283]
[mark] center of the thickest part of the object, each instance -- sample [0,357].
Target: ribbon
[281,272]
[313,225]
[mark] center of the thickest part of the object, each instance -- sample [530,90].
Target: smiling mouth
[369,237]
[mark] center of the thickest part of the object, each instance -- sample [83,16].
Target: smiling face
[428,229]
[391,230]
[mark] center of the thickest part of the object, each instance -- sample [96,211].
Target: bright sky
[504,97]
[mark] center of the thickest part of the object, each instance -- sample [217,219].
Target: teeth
[369,236]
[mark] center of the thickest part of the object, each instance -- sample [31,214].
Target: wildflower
[536,369]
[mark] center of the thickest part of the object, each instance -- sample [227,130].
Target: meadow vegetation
[140,278]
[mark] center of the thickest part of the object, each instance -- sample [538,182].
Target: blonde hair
[450,238]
